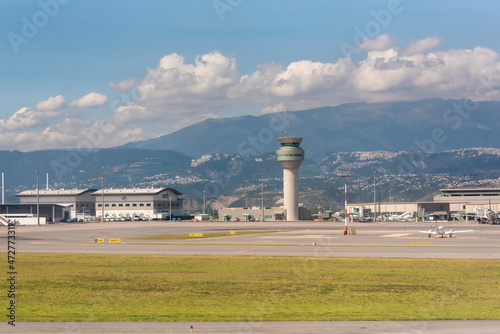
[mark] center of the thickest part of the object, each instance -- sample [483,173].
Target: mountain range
[425,125]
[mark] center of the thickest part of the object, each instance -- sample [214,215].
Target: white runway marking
[294,236]
[396,235]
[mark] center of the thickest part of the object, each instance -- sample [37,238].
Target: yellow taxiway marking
[420,242]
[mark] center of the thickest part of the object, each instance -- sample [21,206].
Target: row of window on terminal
[472,195]
[106,205]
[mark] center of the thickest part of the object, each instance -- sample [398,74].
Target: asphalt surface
[372,327]
[400,239]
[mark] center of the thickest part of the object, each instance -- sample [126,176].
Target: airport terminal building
[465,200]
[448,204]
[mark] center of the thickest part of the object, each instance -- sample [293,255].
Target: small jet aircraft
[440,230]
[485,216]
[491,216]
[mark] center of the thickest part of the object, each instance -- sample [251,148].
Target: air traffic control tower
[290,155]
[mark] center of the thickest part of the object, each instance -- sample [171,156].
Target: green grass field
[80,287]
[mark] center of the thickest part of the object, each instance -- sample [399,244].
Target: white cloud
[23,118]
[180,94]
[310,77]
[52,103]
[90,100]
[381,42]
[423,45]
[126,84]
[26,118]
[130,113]
[26,141]
[176,94]
[210,74]
[274,108]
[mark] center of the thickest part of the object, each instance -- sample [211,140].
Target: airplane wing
[428,232]
[453,232]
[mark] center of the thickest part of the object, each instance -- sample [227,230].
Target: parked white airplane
[440,230]
[492,216]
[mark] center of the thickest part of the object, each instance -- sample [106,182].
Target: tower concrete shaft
[290,155]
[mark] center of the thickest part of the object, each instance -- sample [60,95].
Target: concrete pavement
[286,327]
[294,239]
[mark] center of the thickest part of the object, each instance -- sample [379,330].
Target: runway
[388,239]
[282,327]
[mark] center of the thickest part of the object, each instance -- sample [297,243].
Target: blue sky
[132,66]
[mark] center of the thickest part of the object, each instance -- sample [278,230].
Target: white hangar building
[80,204]
[138,204]
[57,204]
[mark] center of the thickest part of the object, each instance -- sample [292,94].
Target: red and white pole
[345,193]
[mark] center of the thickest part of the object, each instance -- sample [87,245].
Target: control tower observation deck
[290,155]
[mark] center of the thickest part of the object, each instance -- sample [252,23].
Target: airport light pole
[345,198]
[102,199]
[374,197]
[170,206]
[203,201]
[3,189]
[262,193]
[390,198]
[37,197]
